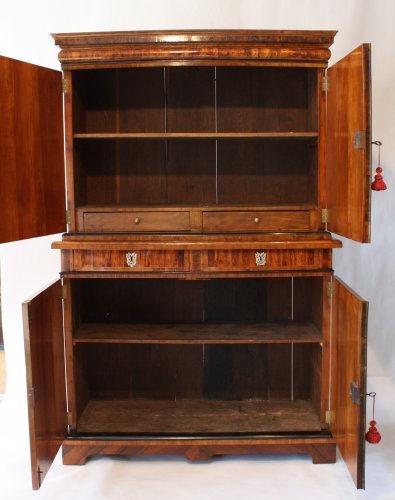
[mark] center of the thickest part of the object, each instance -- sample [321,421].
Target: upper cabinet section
[216,125]
[32,191]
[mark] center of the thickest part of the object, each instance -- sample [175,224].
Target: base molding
[77,451]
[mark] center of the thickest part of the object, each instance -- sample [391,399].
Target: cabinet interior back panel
[256,99]
[122,100]
[190,99]
[169,300]
[267,171]
[145,172]
[214,372]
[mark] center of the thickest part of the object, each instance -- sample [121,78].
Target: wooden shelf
[199,135]
[198,416]
[198,333]
[222,207]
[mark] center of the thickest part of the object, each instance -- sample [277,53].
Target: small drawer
[132,222]
[265,260]
[130,260]
[276,220]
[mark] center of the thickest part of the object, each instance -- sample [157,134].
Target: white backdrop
[370,269]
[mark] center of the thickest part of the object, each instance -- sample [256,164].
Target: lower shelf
[193,417]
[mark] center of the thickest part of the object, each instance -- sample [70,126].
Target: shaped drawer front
[277,220]
[130,260]
[262,260]
[136,221]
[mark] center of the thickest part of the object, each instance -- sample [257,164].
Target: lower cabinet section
[197,367]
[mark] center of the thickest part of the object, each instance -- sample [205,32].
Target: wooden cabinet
[201,315]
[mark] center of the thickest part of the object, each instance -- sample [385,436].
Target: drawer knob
[260,258]
[257,220]
[137,220]
[131,259]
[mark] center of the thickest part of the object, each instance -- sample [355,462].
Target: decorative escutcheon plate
[260,258]
[131,259]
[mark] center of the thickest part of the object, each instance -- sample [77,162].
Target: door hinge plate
[355,393]
[325,215]
[39,473]
[65,86]
[68,217]
[329,417]
[329,288]
[64,292]
[359,139]
[325,84]
[30,394]
[69,418]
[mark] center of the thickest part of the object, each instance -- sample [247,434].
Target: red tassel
[378,184]
[373,436]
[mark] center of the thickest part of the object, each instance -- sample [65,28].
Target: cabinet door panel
[32,190]
[349,145]
[45,373]
[349,332]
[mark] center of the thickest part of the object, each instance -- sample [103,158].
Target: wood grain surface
[348,168]
[32,191]
[349,341]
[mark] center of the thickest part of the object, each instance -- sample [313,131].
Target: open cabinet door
[348,377]
[348,145]
[45,372]
[32,187]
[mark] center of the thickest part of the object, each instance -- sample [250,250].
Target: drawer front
[130,261]
[261,260]
[137,221]
[256,221]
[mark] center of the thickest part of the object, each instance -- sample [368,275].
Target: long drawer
[265,260]
[130,260]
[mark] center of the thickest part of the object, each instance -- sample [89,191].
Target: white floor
[251,477]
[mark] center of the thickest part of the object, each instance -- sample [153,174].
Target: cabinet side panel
[44,349]
[32,191]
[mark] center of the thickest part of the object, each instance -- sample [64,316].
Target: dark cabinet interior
[185,357]
[196,135]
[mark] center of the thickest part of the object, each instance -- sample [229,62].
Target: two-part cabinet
[198,313]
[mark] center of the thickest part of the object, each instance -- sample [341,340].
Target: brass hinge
[325,215]
[325,84]
[329,288]
[329,417]
[64,292]
[39,472]
[69,418]
[65,86]
[359,139]
[355,393]
[30,395]
[68,216]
